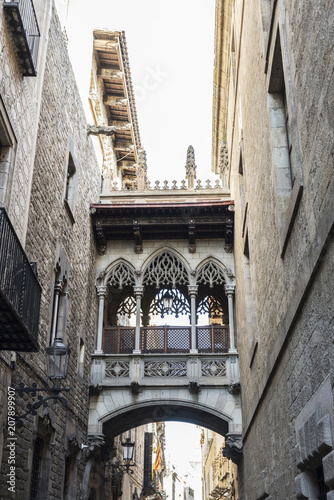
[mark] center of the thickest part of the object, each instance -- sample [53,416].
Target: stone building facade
[273,121]
[52,174]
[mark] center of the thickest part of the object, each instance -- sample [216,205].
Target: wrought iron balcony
[25,31]
[166,339]
[20,293]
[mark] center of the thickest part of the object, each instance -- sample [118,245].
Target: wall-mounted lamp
[56,368]
[117,469]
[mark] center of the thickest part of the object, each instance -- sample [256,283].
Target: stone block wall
[283,252]
[59,235]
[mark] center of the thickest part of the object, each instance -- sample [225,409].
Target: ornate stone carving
[93,444]
[211,306]
[121,275]
[229,289]
[224,165]
[100,129]
[234,388]
[127,307]
[191,167]
[135,388]
[166,269]
[117,369]
[180,304]
[211,274]
[233,447]
[213,369]
[165,369]
[141,169]
[194,388]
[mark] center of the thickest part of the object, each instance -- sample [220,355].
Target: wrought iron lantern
[57,361]
[128,448]
[117,469]
[56,368]
[167,300]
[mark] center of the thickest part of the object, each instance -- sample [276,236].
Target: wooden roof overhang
[162,221]
[113,72]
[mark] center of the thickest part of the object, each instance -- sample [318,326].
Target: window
[251,324]
[36,468]
[70,189]
[280,121]
[59,304]
[322,487]
[287,169]
[40,464]
[7,155]
[81,360]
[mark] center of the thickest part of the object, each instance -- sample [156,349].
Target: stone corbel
[191,236]
[93,444]
[233,448]
[101,130]
[138,237]
[194,388]
[229,232]
[101,239]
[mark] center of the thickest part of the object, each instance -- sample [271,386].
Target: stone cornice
[221,77]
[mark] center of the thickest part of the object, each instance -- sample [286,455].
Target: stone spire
[141,169]
[191,167]
[224,165]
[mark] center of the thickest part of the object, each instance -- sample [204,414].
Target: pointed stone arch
[166,267]
[210,269]
[119,273]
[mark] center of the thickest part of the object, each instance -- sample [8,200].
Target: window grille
[36,468]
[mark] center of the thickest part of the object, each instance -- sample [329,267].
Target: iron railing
[25,30]
[20,292]
[166,339]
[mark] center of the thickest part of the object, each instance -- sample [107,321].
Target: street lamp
[128,448]
[57,361]
[56,369]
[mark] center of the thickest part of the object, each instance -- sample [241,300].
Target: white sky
[182,447]
[171,53]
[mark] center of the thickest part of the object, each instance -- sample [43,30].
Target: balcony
[20,293]
[166,339]
[23,24]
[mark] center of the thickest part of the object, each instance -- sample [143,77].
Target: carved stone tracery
[166,269]
[115,369]
[211,306]
[211,274]
[165,369]
[120,276]
[180,304]
[127,307]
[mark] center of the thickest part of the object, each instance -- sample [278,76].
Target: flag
[158,460]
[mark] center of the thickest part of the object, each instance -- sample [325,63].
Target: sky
[183,449]
[171,55]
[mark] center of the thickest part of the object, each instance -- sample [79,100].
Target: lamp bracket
[32,407]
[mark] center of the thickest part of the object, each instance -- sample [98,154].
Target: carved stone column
[229,290]
[102,293]
[138,291]
[192,290]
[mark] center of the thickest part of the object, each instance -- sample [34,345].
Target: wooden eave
[163,221]
[113,71]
